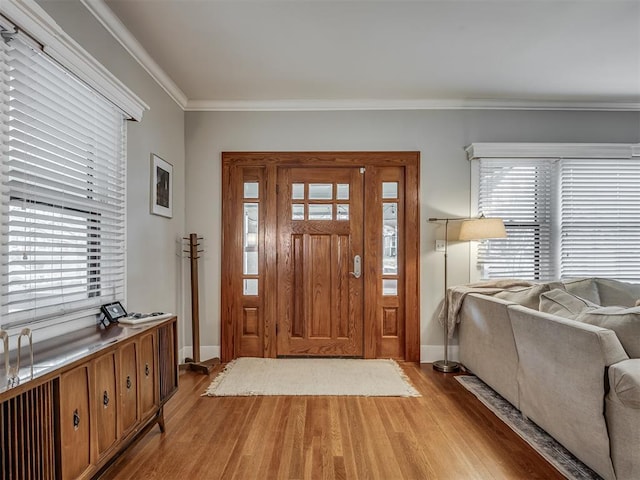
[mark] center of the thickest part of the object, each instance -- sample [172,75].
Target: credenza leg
[160,419]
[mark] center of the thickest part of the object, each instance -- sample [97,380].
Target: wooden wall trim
[412,249]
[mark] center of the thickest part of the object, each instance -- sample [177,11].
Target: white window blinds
[63,190]
[520,192]
[577,216]
[600,218]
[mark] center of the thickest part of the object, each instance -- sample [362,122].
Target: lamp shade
[482,228]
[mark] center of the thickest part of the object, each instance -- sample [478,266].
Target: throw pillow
[525,296]
[624,321]
[564,304]
[614,292]
[586,288]
[637,303]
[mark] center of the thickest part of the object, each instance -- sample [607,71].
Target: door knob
[357,267]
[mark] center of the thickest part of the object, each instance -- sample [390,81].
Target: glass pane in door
[250,240]
[390,238]
[320,191]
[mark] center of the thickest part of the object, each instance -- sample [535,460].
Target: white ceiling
[394,53]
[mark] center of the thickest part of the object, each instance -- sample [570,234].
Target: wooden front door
[293,224]
[319,262]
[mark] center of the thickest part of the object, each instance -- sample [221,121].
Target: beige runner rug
[311,376]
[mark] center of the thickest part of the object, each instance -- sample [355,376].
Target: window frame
[45,35]
[527,152]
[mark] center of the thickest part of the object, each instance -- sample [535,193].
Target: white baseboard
[428,353]
[206,352]
[431,353]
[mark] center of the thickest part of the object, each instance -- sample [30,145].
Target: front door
[319,262]
[294,225]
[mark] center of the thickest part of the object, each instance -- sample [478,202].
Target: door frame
[264,165]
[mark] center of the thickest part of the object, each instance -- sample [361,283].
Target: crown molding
[28,16]
[551,150]
[116,28]
[390,104]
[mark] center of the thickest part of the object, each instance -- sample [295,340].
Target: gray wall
[154,271]
[444,184]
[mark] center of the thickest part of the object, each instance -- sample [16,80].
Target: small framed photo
[161,187]
[113,311]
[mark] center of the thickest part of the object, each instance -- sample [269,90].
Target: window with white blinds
[63,190]
[600,218]
[565,217]
[520,192]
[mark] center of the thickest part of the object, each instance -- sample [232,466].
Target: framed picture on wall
[161,187]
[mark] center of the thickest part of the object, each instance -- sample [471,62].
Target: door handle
[357,267]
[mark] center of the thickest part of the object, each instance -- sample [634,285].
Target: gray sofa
[578,381]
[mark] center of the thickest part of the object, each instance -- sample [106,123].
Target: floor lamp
[471,229]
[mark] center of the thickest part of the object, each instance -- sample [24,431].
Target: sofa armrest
[487,347]
[623,418]
[562,380]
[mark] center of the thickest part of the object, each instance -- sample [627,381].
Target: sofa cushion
[525,296]
[614,292]
[564,304]
[586,288]
[624,321]
[624,378]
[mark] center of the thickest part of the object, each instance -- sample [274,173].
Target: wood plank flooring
[445,434]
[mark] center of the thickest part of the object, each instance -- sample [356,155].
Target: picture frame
[161,187]
[113,311]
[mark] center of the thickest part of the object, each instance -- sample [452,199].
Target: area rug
[311,376]
[552,451]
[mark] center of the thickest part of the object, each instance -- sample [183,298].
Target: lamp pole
[445,365]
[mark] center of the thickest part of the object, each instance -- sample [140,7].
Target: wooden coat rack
[195,363]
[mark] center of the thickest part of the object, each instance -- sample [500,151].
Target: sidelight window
[390,239]
[250,238]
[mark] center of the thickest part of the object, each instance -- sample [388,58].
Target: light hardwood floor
[445,434]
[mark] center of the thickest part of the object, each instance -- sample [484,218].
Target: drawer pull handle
[146,369]
[105,399]
[128,382]
[76,419]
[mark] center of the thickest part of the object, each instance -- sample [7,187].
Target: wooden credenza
[91,395]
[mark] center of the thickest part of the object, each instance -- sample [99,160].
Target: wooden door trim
[321,159]
[412,259]
[232,162]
